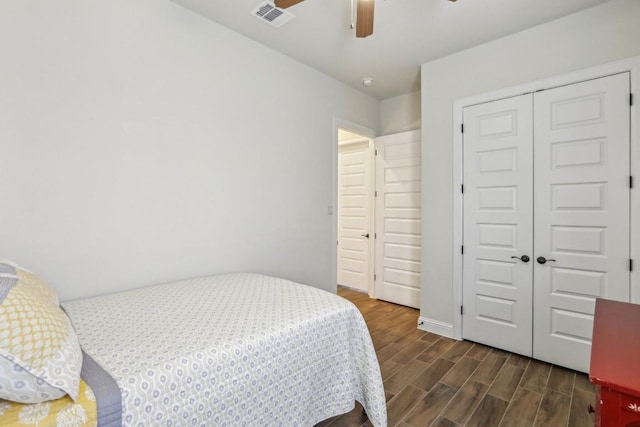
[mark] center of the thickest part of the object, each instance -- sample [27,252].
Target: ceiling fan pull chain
[353,14]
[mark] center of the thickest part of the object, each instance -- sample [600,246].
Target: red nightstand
[615,363]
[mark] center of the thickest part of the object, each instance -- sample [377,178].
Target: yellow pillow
[40,357]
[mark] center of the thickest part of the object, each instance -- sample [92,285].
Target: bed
[236,350]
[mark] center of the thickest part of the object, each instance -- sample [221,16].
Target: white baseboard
[436,327]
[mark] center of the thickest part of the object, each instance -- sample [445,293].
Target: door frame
[339,123]
[631,65]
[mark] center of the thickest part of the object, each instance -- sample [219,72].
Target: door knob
[523,258]
[543,260]
[365,235]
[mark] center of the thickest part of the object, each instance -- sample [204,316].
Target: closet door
[498,205]
[582,152]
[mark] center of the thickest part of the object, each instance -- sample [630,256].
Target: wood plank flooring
[432,380]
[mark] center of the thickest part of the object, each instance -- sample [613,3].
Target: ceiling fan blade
[283,4]
[364,18]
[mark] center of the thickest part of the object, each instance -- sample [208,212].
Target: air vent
[267,12]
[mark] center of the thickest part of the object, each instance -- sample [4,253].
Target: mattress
[237,349]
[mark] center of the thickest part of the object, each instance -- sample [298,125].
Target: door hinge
[630,99]
[375,277]
[631,182]
[462,249]
[461,310]
[376,151]
[375,235]
[461,127]
[630,265]
[375,194]
[462,188]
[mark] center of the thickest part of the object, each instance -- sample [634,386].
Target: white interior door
[398,218]
[582,152]
[354,214]
[498,204]
[546,175]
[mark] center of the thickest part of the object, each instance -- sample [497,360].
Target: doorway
[377,213]
[355,226]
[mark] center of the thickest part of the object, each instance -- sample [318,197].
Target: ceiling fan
[364,14]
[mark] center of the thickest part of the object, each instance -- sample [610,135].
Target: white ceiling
[407,33]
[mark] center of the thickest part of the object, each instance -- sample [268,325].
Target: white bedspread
[235,350]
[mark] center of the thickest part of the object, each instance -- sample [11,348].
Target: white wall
[141,143]
[599,35]
[400,113]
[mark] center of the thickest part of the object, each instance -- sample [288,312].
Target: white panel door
[581,212]
[498,204]
[398,210]
[354,215]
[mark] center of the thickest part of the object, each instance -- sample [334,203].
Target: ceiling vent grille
[267,12]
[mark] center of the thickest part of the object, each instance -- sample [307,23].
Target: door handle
[543,260]
[365,235]
[523,258]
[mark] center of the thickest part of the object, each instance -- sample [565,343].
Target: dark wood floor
[431,380]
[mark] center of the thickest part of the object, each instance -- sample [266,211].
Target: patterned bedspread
[236,349]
